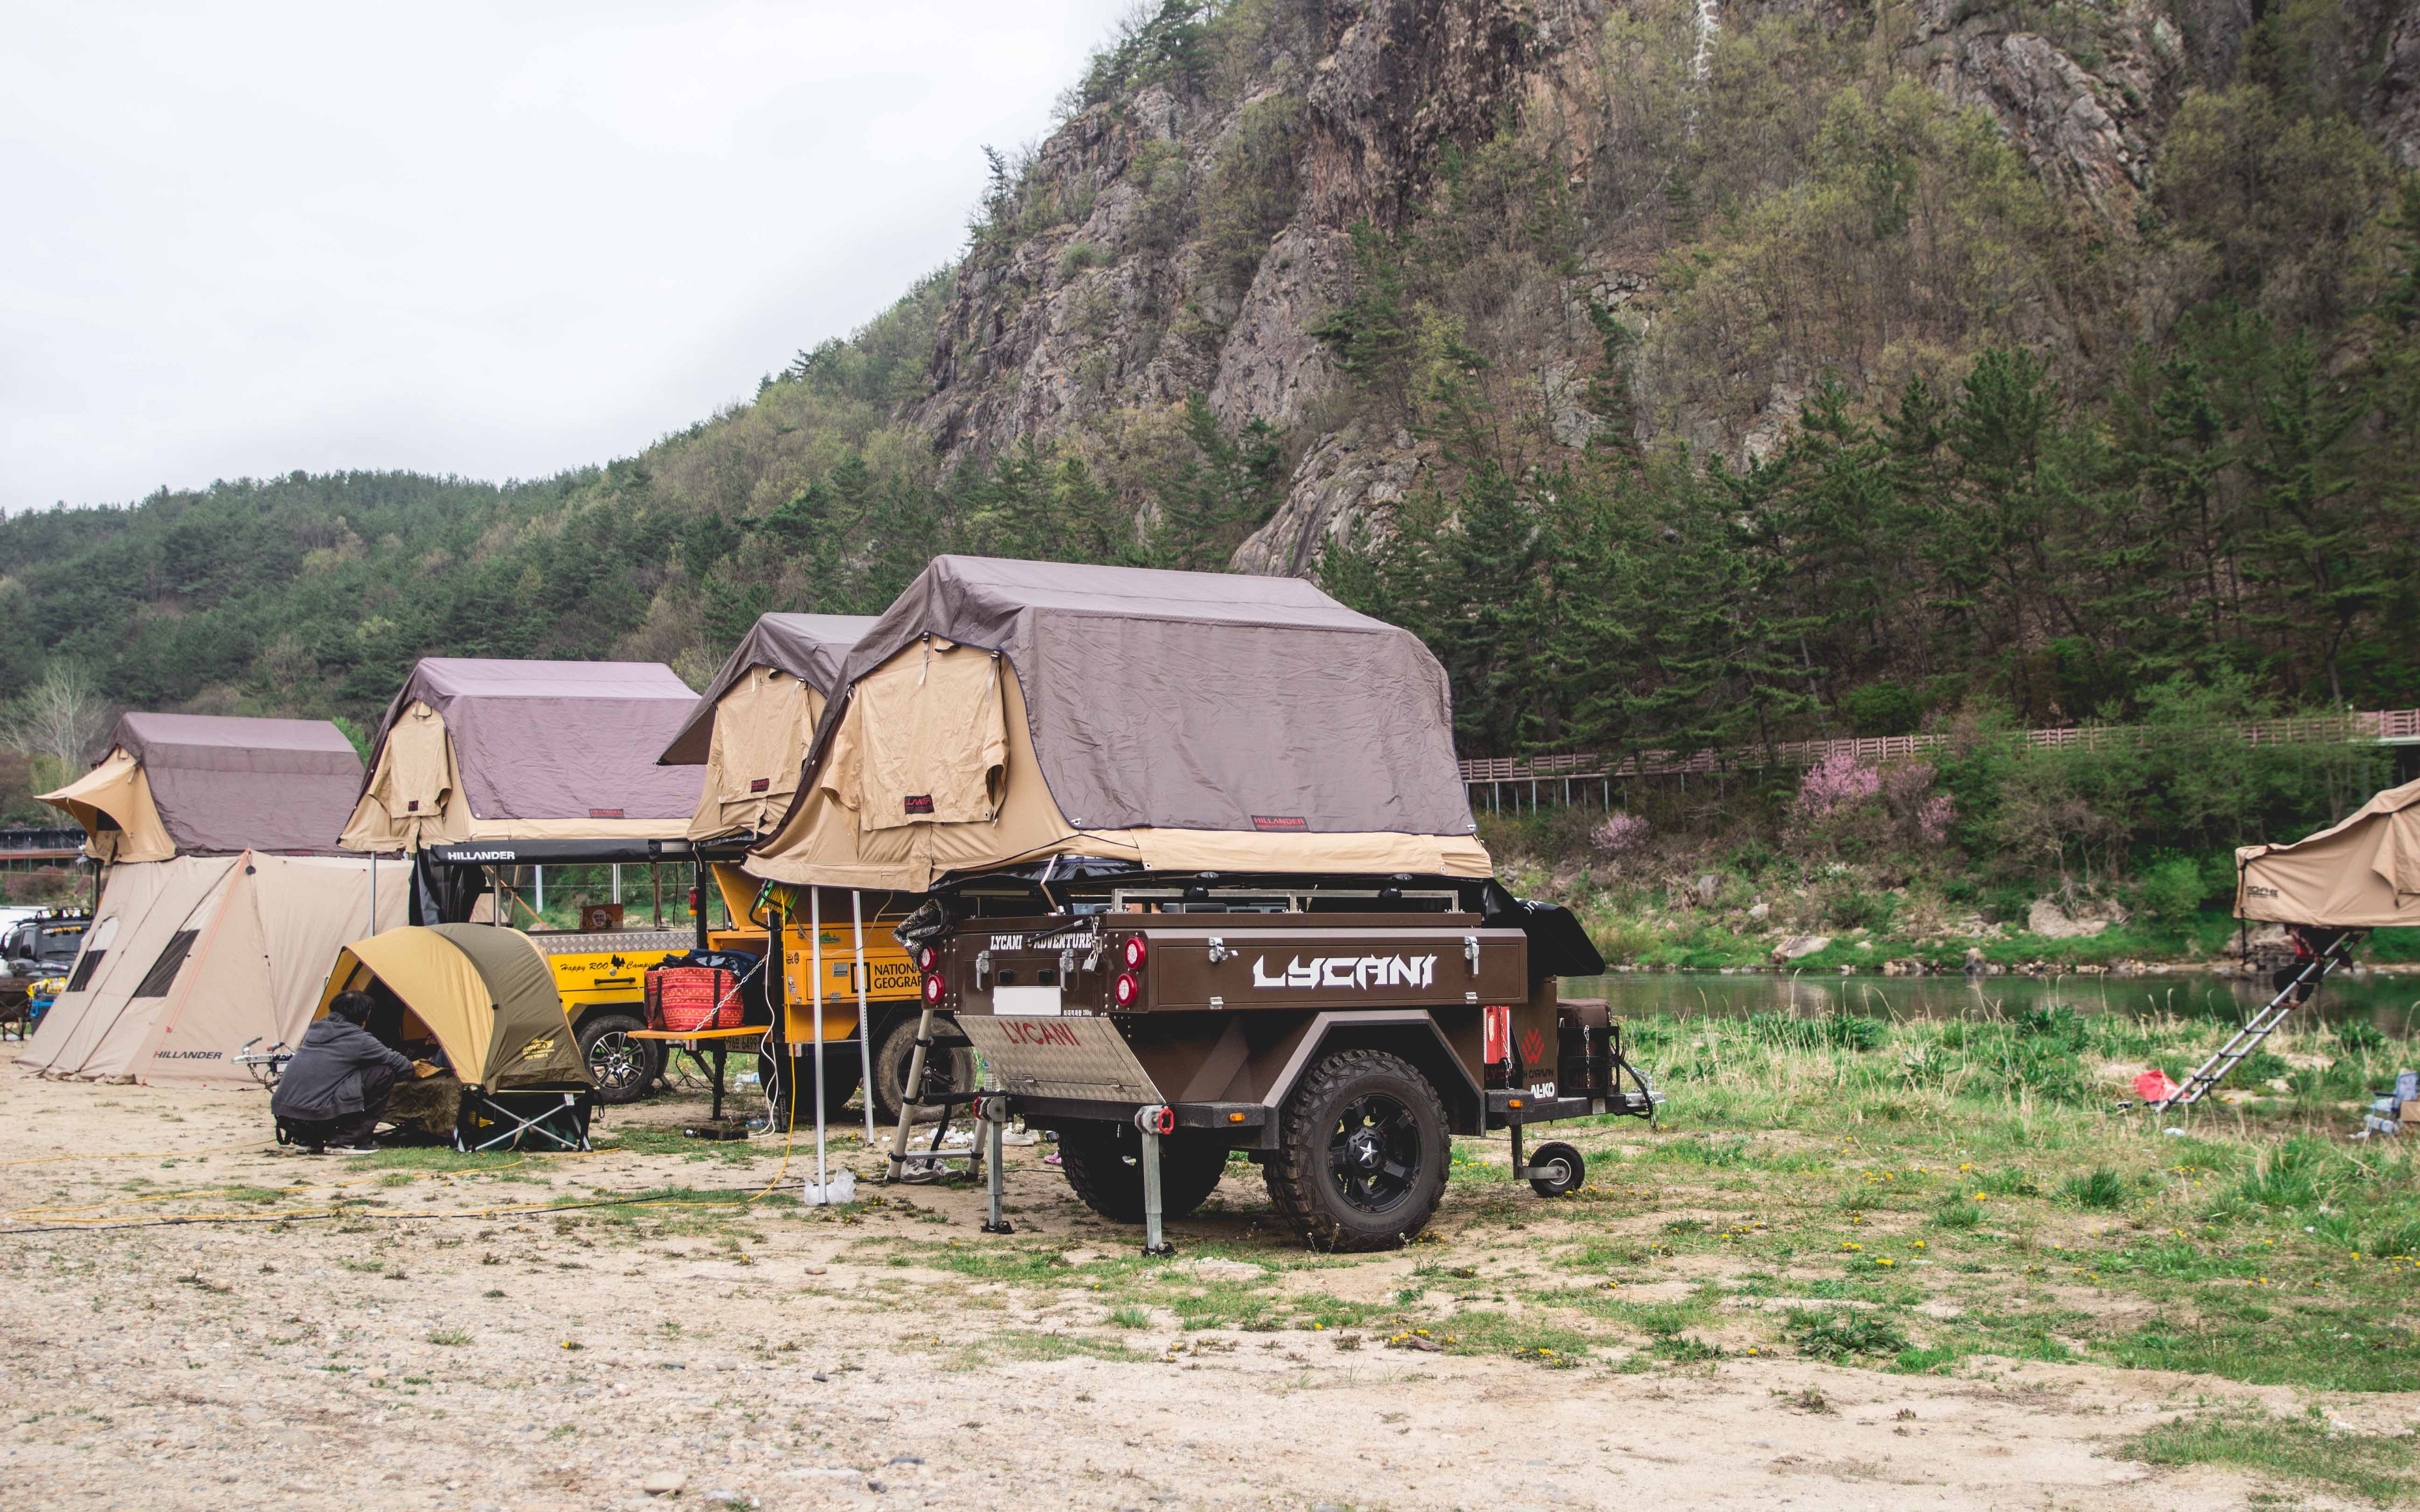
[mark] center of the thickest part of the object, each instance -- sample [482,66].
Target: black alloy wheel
[1374,1152]
[623,1068]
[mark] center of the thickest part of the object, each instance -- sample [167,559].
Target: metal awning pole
[864,1035]
[373,892]
[815,954]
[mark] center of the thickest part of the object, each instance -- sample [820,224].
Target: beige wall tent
[193,784]
[189,958]
[1005,711]
[2363,874]
[485,749]
[752,729]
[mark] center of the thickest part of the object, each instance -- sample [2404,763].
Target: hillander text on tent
[225,895]
[482,749]
[1005,711]
[752,726]
[190,959]
[189,784]
[2363,874]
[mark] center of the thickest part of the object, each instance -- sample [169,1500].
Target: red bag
[684,999]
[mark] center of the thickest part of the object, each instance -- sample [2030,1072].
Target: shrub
[2171,891]
[1621,834]
[1839,1335]
[1079,256]
[2102,1191]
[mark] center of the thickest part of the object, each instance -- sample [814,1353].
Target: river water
[2390,1003]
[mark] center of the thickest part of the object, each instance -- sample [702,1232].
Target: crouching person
[335,1088]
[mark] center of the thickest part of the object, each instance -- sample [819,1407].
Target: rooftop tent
[1001,711]
[188,959]
[752,728]
[197,784]
[485,994]
[2363,874]
[474,749]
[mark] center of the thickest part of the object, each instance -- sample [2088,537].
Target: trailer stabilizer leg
[1152,1122]
[993,1111]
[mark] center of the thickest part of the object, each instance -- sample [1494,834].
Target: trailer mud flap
[1084,1060]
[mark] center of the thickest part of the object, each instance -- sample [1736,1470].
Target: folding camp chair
[557,1119]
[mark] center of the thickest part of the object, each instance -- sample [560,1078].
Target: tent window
[96,945]
[85,968]
[163,974]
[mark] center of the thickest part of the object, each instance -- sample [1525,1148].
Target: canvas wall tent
[1001,711]
[474,749]
[194,784]
[189,958]
[2363,874]
[752,729]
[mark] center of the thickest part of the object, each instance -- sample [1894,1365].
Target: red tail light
[1128,990]
[928,959]
[1137,952]
[932,988]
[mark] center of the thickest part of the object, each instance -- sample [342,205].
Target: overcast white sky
[493,239]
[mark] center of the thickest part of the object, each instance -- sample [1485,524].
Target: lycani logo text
[1363,971]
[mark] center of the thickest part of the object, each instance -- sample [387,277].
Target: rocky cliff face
[1188,231]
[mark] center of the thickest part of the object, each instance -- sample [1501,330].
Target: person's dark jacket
[325,1078]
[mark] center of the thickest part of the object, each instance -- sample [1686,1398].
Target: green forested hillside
[1809,375]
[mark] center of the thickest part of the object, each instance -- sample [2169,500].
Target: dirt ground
[419,1347]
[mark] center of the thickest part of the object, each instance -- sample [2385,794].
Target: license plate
[1025,1002]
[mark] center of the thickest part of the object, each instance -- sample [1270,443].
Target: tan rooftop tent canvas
[2363,874]
[189,958]
[752,729]
[194,784]
[1002,711]
[474,749]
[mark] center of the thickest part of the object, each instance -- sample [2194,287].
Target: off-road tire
[1104,1164]
[624,1069]
[1303,1182]
[951,1068]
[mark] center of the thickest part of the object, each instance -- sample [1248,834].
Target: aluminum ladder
[2261,1024]
[911,1097]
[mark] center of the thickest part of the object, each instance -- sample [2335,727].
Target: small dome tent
[752,729]
[483,1000]
[1003,711]
[194,785]
[484,750]
[2363,874]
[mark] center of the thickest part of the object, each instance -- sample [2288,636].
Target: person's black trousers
[351,1129]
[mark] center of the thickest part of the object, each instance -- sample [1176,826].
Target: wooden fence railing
[2397,727]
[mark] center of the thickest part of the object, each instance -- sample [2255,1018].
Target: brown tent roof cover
[809,647]
[2363,874]
[1196,700]
[224,784]
[555,739]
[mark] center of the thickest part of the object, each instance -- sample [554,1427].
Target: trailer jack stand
[1151,1122]
[993,1111]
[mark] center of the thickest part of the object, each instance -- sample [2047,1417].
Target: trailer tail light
[1128,990]
[928,959]
[1137,952]
[932,987]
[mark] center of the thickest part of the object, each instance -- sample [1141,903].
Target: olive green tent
[482,999]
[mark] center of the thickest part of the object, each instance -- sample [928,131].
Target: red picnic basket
[687,1000]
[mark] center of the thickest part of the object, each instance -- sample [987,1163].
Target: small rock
[1214,1269]
[907,1459]
[664,1483]
[1801,945]
[819,1376]
[816,1269]
[1759,911]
